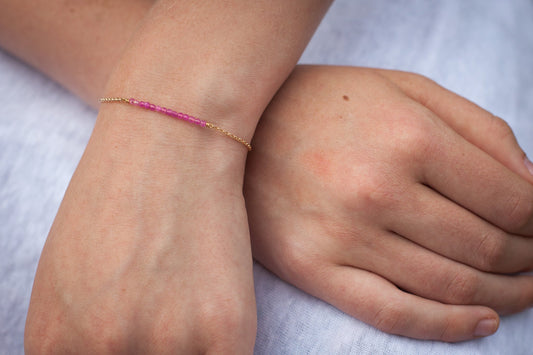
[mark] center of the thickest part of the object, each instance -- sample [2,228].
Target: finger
[374,300]
[481,128]
[438,224]
[432,276]
[470,177]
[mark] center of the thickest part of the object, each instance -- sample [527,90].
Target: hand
[150,251]
[394,200]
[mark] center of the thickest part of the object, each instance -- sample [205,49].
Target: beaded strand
[179,115]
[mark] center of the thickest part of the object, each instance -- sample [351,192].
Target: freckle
[346,98]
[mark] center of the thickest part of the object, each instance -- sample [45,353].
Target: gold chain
[190,119]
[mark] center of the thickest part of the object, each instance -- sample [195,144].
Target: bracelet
[178,115]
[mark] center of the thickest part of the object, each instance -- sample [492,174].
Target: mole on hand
[346,98]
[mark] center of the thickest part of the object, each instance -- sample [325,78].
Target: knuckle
[500,129]
[462,288]
[491,251]
[389,319]
[520,210]
[415,79]
[295,262]
[425,96]
[424,82]
[220,310]
[376,194]
[525,298]
[424,86]
[446,334]
[222,318]
[415,136]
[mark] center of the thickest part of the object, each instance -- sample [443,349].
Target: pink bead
[167,111]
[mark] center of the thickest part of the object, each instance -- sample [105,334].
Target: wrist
[210,98]
[206,91]
[158,145]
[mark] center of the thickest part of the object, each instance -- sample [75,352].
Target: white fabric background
[482,49]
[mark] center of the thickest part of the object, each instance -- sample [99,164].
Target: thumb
[481,128]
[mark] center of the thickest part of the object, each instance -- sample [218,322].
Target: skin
[81,58]
[126,267]
[350,224]
[387,203]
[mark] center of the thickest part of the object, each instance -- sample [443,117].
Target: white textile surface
[482,49]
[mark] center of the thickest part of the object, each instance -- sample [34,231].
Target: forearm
[202,55]
[77,43]
[217,60]
[155,207]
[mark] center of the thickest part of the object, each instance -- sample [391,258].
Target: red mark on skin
[346,98]
[318,163]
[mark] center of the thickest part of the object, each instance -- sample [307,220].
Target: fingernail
[486,327]
[529,165]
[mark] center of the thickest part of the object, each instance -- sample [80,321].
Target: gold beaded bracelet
[178,115]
